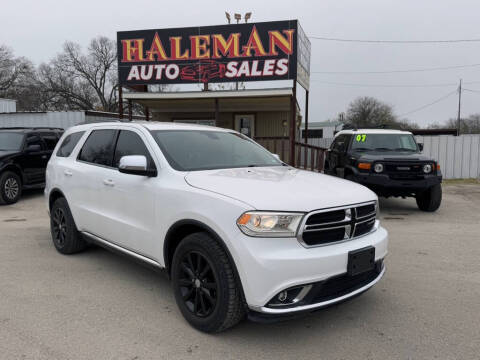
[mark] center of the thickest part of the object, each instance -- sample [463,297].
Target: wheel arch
[55,194]
[15,169]
[177,232]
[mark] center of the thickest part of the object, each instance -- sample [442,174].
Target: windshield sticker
[361,138]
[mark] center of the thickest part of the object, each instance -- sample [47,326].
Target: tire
[65,236]
[10,187]
[430,199]
[208,295]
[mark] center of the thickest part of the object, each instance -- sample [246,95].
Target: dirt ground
[98,305]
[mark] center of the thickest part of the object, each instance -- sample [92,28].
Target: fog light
[378,168]
[282,296]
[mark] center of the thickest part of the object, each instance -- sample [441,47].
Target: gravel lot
[97,305]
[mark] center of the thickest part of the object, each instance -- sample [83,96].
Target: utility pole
[459,106]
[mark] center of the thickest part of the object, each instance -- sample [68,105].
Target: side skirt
[121,250]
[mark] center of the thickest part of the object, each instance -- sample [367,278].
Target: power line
[396,41]
[386,85]
[397,71]
[429,104]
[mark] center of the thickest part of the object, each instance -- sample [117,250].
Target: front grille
[330,226]
[404,170]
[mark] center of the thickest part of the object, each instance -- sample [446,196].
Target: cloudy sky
[37,29]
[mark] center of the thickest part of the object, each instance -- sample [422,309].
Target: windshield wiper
[404,149]
[362,149]
[383,149]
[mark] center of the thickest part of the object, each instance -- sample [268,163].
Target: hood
[6,153]
[281,188]
[390,156]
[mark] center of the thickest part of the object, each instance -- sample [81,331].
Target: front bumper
[383,184]
[268,266]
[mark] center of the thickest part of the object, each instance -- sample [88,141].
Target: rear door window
[98,148]
[130,143]
[69,144]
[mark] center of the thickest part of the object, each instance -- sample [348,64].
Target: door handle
[67,173]
[44,156]
[108,182]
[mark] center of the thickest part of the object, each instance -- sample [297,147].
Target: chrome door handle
[108,182]
[67,173]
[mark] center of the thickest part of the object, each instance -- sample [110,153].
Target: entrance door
[245,124]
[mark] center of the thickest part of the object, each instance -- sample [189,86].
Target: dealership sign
[226,53]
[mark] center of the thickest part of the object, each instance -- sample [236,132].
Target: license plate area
[361,260]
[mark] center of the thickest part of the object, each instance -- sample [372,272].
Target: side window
[50,140]
[98,148]
[129,143]
[339,141]
[69,144]
[34,139]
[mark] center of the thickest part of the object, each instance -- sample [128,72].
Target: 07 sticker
[361,138]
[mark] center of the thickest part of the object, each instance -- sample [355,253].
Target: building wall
[55,119]
[8,106]
[267,123]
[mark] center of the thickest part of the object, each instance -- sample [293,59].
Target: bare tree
[74,80]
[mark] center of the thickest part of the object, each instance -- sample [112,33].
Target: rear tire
[10,187]
[65,236]
[430,199]
[205,285]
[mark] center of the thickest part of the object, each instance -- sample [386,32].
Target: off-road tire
[10,187]
[66,238]
[229,308]
[430,199]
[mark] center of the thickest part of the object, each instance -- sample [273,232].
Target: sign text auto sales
[240,52]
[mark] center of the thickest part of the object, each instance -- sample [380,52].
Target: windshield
[10,141]
[188,150]
[384,142]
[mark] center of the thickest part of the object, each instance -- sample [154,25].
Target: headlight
[268,224]
[378,168]
[427,168]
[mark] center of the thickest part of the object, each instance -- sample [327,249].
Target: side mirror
[33,148]
[135,165]
[420,146]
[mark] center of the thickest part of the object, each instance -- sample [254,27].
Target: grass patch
[461,181]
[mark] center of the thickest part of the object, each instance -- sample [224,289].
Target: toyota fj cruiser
[387,161]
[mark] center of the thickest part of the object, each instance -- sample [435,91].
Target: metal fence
[459,156]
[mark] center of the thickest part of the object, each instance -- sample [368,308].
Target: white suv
[238,231]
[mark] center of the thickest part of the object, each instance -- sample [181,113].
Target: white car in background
[238,231]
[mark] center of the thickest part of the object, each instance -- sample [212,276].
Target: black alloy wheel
[198,284]
[65,236]
[59,227]
[206,288]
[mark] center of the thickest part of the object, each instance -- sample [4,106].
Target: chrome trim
[302,226]
[266,310]
[305,290]
[109,244]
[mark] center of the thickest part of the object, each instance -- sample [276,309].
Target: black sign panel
[225,53]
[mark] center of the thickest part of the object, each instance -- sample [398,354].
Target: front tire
[10,188]
[65,236]
[430,199]
[204,283]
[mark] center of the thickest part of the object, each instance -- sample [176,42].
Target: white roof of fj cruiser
[372,131]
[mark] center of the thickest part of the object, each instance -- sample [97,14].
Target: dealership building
[215,56]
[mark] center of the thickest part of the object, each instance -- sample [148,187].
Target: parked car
[24,154]
[387,161]
[238,231]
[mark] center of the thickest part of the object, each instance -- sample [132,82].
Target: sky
[37,29]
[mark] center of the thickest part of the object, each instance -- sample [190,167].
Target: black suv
[24,154]
[387,161]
